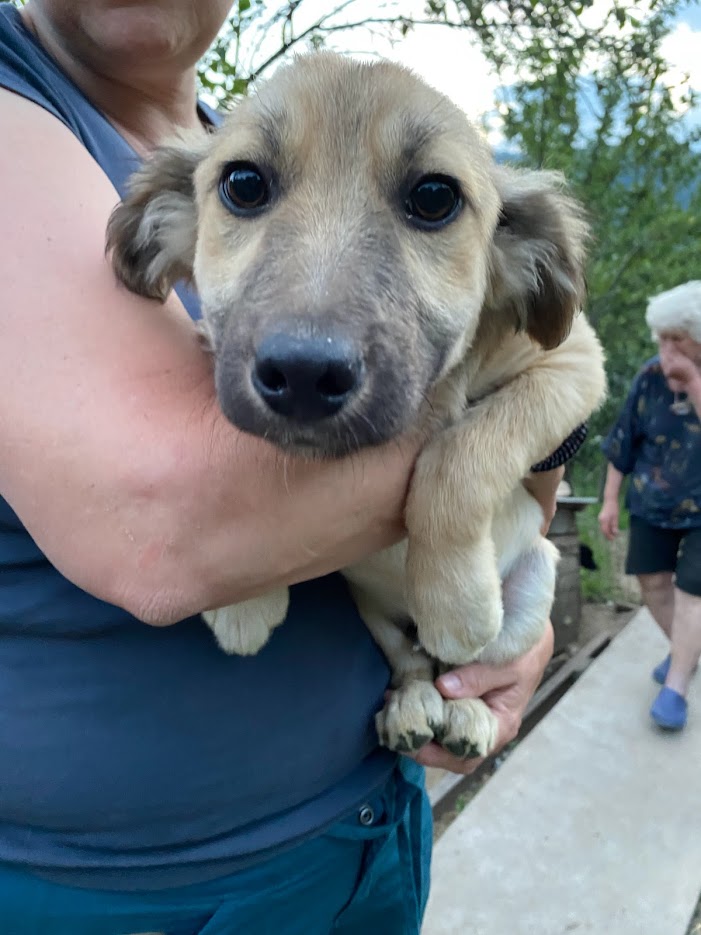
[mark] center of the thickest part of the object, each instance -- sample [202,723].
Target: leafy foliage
[258,34]
[620,137]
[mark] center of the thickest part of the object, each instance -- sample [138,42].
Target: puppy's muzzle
[306,379]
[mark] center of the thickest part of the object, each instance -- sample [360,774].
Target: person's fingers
[473,680]
[608,523]
[436,757]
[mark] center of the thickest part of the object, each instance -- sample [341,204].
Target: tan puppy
[365,267]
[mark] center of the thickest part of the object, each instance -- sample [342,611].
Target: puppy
[364,268]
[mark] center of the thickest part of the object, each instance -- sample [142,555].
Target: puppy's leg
[465,474]
[454,597]
[414,711]
[471,729]
[528,591]
[244,628]
[453,585]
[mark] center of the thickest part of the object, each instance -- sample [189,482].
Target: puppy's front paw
[456,632]
[416,713]
[410,718]
[243,629]
[469,728]
[454,602]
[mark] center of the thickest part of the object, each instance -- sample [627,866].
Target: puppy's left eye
[433,201]
[243,189]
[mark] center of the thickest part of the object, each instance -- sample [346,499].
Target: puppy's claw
[407,721]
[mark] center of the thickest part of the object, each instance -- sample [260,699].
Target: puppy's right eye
[243,189]
[433,201]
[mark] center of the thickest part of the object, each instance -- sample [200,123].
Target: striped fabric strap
[568,449]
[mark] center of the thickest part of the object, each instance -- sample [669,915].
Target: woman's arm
[543,487]
[608,517]
[113,450]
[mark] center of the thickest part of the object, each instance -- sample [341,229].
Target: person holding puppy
[657,441]
[148,781]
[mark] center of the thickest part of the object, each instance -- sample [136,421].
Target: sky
[450,61]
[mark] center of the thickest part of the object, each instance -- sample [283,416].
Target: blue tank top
[136,757]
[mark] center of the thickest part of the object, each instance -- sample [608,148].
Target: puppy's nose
[306,379]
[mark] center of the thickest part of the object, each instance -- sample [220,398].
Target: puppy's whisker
[376,436]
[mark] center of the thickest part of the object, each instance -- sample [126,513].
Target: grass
[603,584]
[586,476]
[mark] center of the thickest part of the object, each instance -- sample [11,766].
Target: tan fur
[471,331]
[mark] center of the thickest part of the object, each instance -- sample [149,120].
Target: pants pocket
[392,889]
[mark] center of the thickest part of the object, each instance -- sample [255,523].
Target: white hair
[678,309]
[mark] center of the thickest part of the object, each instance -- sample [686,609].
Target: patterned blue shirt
[661,450]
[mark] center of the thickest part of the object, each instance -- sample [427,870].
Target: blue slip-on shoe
[659,673]
[669,709]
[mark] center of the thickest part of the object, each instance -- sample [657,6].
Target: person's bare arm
[113,450]
[543,487]
[608,517]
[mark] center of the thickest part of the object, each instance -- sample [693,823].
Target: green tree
[622,136]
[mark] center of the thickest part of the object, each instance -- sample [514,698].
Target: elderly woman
[657,441]
[149,782]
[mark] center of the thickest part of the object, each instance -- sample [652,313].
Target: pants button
[366,815]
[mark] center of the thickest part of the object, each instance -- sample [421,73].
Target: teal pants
[368,874]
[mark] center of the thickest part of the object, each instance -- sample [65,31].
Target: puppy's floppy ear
[538,255]
[151,235]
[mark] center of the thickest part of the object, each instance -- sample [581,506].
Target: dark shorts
[652,549]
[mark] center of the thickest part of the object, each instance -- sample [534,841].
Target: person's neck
[144,110]
[145,117]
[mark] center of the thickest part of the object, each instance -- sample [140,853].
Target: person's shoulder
[27,71]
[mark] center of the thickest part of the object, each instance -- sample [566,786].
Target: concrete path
[592,825]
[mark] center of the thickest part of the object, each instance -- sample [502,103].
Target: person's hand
[506,690]
[608,519]
[679,370]
[543,487]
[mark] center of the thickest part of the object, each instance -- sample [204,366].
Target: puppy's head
[346,230]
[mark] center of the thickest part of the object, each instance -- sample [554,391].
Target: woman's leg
[658,596]
[686,641]
[669,709]
[652,558]
[686,625]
